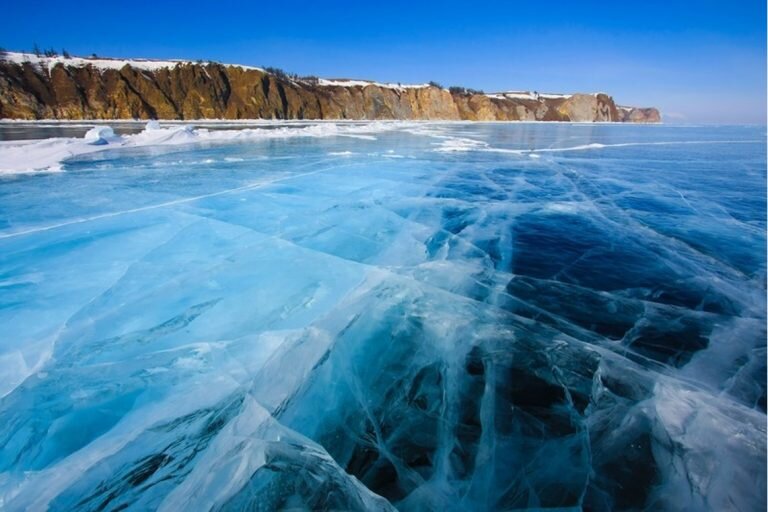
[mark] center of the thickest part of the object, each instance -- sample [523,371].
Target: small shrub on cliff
[435,84]
[310,79]
[279,73]
[50,52]
[36,50]
[65,54]
[464,91]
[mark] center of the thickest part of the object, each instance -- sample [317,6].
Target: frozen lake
[368,316]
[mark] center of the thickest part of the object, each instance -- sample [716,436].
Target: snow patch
[365,83]
[527,95]
[105,63]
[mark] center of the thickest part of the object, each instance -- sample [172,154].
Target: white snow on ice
[48,155]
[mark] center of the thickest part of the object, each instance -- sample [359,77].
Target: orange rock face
[215,91]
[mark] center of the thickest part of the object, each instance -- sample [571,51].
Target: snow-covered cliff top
[100,62]
[364,83]
[154,65]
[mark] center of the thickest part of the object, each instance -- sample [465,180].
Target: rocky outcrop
[639,115]
[55,89]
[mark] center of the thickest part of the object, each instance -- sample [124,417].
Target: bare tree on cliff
[464,91]
[36,50]
[310,79]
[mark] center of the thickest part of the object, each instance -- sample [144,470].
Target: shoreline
[257,121]
[44,155]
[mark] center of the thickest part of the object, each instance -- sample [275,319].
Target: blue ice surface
[341,323]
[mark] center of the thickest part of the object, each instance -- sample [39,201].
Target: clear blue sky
[699,61]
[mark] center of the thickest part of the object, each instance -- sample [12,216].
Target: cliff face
[56,90]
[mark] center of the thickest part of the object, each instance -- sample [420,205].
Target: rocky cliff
[73,88]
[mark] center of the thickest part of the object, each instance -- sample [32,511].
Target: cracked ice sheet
[311,324]
[146,341]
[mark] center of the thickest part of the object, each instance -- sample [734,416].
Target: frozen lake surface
[418,316]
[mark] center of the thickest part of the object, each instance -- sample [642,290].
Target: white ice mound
[154,134]
[100,135]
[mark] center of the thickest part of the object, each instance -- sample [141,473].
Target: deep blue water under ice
[423,318]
